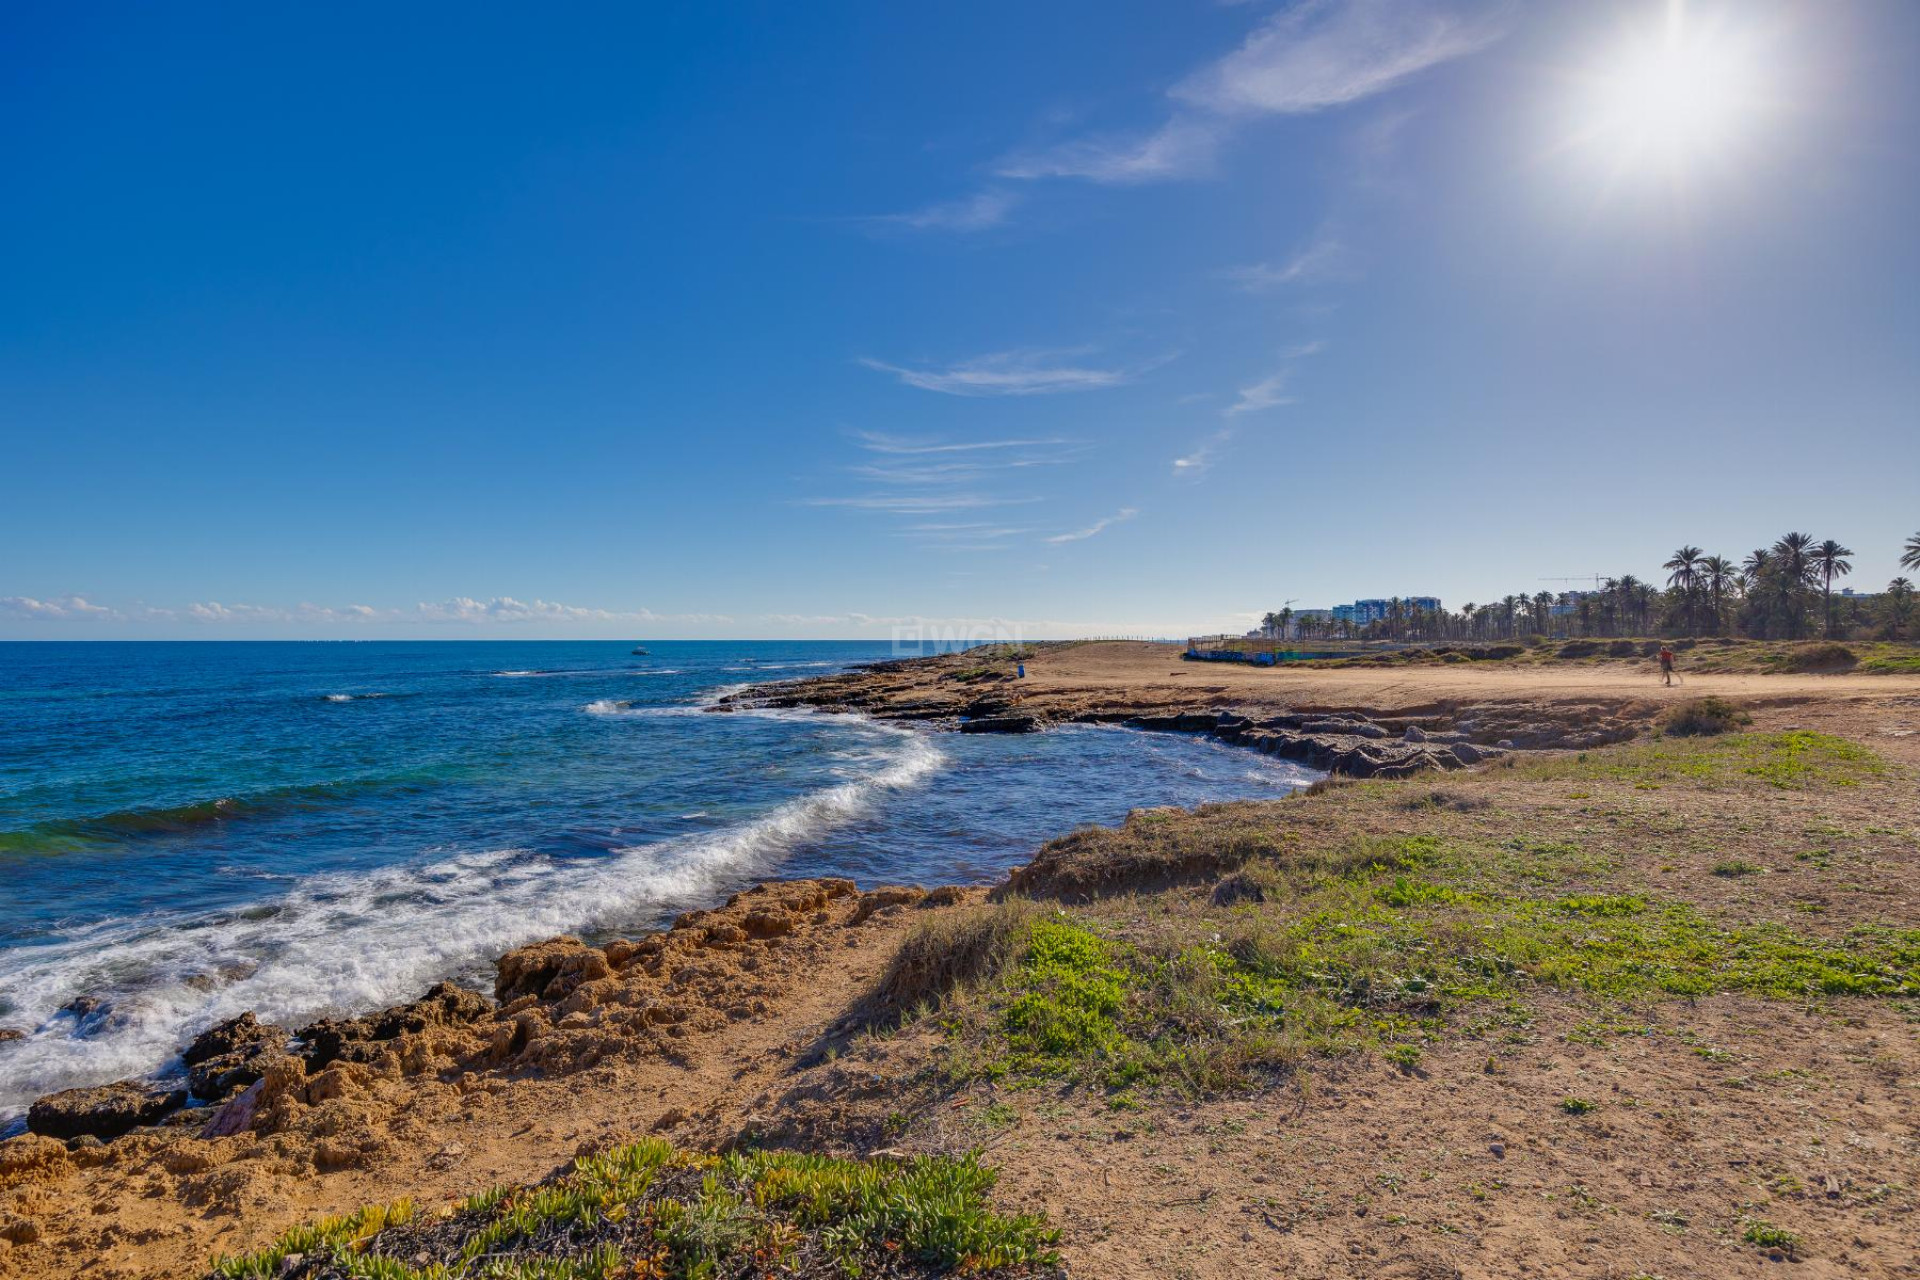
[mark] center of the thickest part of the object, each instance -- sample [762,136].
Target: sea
[192,830]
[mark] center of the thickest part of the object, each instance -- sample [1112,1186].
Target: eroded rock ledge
[326,1092]
[1360,743]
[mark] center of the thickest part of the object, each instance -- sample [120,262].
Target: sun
[1676,97]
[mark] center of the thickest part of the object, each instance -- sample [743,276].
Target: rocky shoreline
[241,1074]
[558,1006]
[951,691]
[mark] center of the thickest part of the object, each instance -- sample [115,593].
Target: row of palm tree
[1771,593]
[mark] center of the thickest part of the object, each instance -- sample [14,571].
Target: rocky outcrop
[1001,724]
[104,1112]
[226,1058]
[952,690]
[333,1040]
[548,970]
[884,896]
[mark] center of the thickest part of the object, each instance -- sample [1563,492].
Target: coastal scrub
[651,1209]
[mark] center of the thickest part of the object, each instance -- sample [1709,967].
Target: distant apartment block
[1362,612]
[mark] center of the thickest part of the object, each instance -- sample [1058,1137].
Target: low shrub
[1822,657]
[652,1210]
[1622,649]
[1579,649]
[1255,882]
[952,948]
[1704,717]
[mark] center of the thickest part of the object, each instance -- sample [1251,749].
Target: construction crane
[1595,578]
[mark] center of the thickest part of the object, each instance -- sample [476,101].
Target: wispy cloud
[877,442]
[1312,56]
[1268,393]
[1008,373]
[981,211]
[1196,464]
[1325,257]
[917,504]
[1183,147]
[1325,53]
[1098,526]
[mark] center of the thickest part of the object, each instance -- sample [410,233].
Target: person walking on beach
[1666,663]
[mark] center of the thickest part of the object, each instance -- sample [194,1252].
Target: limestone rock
[550,969]
[887,895]
[104,1112]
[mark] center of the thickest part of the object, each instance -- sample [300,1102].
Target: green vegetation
[1703,718]
[1786,760]
[651,1210]
[1778,592]
[1578,1106]
[1763,1233]
[1374,947]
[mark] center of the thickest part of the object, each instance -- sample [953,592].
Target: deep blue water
[191,830]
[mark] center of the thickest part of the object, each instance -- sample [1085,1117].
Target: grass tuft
[1704,717]
[651,1210]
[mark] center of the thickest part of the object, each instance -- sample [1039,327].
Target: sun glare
[1675,97]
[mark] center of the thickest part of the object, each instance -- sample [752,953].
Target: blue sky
[808,320]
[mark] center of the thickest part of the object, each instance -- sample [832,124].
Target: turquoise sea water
[191,830]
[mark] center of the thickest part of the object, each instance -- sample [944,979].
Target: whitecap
[351,942]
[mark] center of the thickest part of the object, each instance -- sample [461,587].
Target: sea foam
[349,943]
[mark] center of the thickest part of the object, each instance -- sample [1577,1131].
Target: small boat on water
[639,652]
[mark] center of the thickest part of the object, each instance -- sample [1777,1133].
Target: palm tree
[1793,556]
[1684,577]
[1634,595]
[1542,611]
[1792,560]
[1910,559]
[1829,560]
[1899,605]
[1758,561]
[1718,574]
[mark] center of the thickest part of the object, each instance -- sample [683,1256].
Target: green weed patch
[1789,760]
[651,1210]
[1378,956]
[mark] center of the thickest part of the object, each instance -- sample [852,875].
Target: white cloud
[64,607]
[1325,53]
[1080,535]
[1324,258]
[917,504]
[1007,373]
[875,442]
[1181,148]
[1312,56]
[459,609]
[981,211]
[1268,393]
[1196,464]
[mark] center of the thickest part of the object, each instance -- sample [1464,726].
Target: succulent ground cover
[648,1209]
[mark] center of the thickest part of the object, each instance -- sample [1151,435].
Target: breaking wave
[346,943]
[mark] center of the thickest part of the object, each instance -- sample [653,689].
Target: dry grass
[951,948]
[1704,717]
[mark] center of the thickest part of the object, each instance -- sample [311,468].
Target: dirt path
[1105,667]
